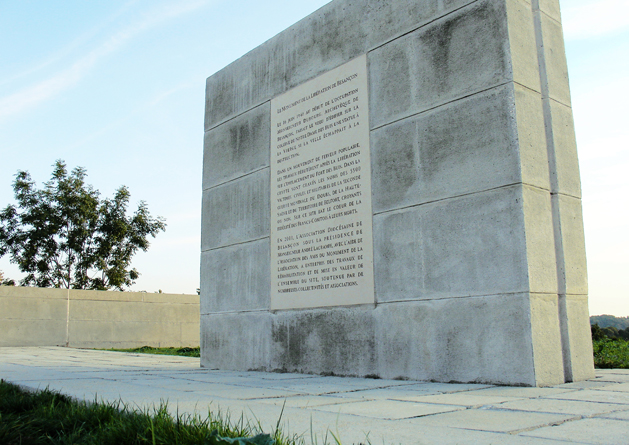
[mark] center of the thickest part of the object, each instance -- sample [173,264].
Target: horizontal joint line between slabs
[551,99]
[429,22]
[224,121]
[565,194]
[237,244]
[537,187]
[537,9]
[448,198]
[340,306]
[236,179]
[527,87]
[410,116]
[547,97]
[415,300]
[248,311]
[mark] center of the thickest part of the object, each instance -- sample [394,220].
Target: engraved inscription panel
[321,220]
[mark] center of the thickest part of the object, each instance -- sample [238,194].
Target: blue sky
[118,88]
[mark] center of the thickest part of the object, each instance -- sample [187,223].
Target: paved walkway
[388,411]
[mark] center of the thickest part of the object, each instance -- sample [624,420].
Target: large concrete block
[129,312]
[556,64]
[461,54]
[339,341]
[14,292]
[156,297]
[480,339]
[463,147]
[33,308]
[531,137]
[236,341]
[540,240]
[238,147]
[549,7]
[521,28]
[573,244]
[32,316]
[580,356]
[236,278]
[190,334]
[471,245]
[236,212]
[564,146]
[43,332]
[546,337]
[99,295]
[106,334]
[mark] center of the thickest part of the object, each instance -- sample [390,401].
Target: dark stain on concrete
[339,341]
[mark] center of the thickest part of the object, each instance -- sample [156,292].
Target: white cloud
[583,19]
[60,53]
[44,90]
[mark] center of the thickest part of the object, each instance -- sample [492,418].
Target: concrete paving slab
[586,384]
[411,388]
[603,372]
[388,409]
[244,393]
[321,385]
[574,407]
[494,420]
[381,393]
[624,387]
[283,376]
[619,415]
[356,429]
[305,401]
[616,378]
[466,399]
[589,395]
[521,392]
[590,431]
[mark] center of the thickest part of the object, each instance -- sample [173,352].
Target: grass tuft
[47,417]
[186,352]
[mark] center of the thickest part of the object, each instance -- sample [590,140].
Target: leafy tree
[597,332]
[5,281]
[65,236]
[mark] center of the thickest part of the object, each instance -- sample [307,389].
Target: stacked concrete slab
[479,258]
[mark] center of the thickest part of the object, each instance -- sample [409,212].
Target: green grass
[611,353]
[47,417]
[186,352]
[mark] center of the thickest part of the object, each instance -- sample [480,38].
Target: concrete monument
[391,188]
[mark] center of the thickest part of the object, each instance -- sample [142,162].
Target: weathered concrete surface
[237,211]
[384,411]
[32,316]
[477,225]
[236,278]
[238,147]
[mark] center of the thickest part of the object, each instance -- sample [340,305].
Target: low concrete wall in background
[31,316]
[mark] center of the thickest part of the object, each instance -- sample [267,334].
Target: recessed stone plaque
[321,219]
